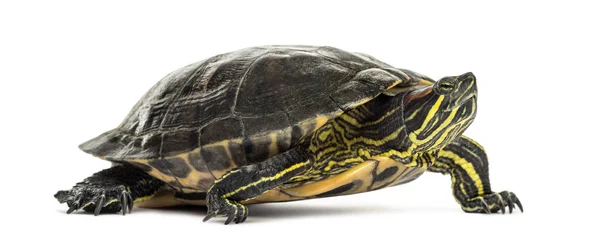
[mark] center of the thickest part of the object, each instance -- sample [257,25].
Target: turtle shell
[255,102]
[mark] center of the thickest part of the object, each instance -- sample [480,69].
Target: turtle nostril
[467,76]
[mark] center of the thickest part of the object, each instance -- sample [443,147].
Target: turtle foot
[96,199]
[234,211]
[493,203]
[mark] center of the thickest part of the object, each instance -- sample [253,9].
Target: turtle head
[437,114]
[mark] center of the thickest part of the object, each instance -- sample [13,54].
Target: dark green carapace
[285,123]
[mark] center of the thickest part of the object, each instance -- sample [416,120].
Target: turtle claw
[511,205]
[244,215]
[229,219]
[130,201]
[96,199]
[99,204]
[234,211]
[209,216]
[126,202]
[492,203]
[501,203]
[485,206]
[72,209]
[518,202]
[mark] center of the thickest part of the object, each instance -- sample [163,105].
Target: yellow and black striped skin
[416,128]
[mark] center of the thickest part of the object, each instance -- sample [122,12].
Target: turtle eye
[445,86]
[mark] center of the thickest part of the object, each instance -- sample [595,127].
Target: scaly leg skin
[465,160]
[247,182]
[110,190]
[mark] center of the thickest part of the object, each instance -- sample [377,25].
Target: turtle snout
[466,76]
[467,83]
[467,87]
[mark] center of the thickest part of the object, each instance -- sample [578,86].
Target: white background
[71,70]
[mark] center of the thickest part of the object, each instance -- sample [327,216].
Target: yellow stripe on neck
[430,114]
[413,136]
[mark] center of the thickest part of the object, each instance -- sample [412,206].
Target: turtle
[284,123]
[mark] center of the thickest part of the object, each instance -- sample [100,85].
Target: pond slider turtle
[284,123]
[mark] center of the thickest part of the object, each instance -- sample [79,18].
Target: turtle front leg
[111,190]
[246,182]
[465,160]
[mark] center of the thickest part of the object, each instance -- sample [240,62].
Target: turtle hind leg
[466,161]
[111,190]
